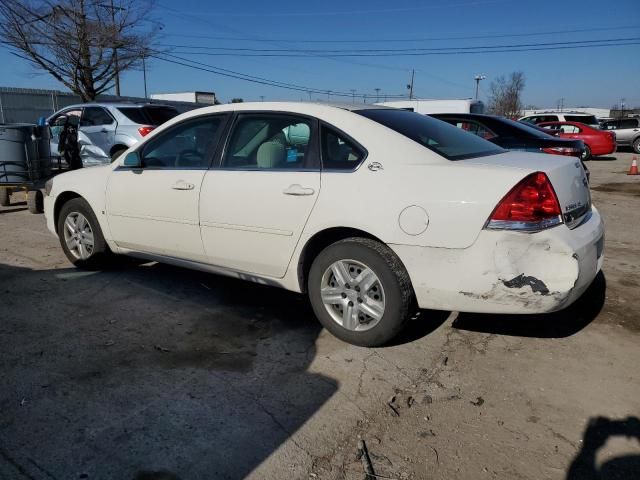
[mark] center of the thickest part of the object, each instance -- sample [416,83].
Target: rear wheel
[35,201]
[5,197]
[636,145]
[81,237]
[586,154]
[360,291]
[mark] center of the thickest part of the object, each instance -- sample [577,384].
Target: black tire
[399,298]
[5,197]
[100,256]
[35,201]
[117,152]
[586,155]
[636,145]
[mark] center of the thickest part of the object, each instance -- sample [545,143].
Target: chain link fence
[25,105]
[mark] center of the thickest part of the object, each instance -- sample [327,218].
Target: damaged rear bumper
[508,272]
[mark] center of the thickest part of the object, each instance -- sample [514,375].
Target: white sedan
[371,211]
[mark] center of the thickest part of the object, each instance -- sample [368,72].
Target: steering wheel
[186,158]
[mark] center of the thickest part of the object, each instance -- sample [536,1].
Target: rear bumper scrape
[508,272]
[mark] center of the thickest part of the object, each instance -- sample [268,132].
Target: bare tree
[84,44]
[505,95]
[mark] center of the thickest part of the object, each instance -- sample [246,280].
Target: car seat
[271,154]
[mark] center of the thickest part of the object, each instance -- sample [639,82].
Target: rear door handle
[182,185]
[298,190]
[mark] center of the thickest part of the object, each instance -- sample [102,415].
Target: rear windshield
[444,139]
[149,115]
[588,119]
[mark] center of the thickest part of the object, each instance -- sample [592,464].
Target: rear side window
[628,123]
[153,116]
[338,152]
[472,127]
[446,140]
[588,119]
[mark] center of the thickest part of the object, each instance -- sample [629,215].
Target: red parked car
[597,142]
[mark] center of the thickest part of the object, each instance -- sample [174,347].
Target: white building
[208,98]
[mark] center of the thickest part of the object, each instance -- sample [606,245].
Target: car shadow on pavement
[153,372]
[600,429]
[560,324]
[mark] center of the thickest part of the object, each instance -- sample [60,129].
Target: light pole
[144,76]
[353,95]
[477,78]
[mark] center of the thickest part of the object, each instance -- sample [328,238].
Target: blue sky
[597,76]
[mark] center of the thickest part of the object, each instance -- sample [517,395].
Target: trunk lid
[566,174]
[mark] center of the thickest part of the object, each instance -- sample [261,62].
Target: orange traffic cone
[634,167]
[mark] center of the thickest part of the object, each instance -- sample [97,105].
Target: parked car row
[105,130]
[370,211]
[514,135]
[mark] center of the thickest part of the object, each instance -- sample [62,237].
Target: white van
[542,117]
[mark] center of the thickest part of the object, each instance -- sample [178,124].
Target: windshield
[444,139]
[149,115]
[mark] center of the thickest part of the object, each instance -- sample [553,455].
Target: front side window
[189,145]
[339,153]
[93,116]
[446,140]
[270,141]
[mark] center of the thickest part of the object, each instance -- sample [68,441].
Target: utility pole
[353,95]
[410,86]
[377,94]
[262,98]
[144,76]
[328,96]
[113,9]
[561,104]
[115,54]
[477,78]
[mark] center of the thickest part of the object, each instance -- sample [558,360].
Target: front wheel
[81,237]
[636,145]
[360,291]
[586,154]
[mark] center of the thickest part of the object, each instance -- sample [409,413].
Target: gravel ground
[155,372]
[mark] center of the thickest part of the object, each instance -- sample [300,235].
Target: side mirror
[131,160]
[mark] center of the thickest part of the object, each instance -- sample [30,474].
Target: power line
[396,50]
[404,40]
[412,54]
[342,12]
[250,78]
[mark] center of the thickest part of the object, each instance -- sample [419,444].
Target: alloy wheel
[78,236]
[353,295]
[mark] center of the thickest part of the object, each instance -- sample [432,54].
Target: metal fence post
[1,110]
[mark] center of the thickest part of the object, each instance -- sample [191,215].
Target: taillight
[144,131]
[568,151]
[531,205]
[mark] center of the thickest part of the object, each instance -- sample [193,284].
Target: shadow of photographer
[599,430]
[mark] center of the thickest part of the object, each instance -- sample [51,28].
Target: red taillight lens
[531,205]
[568,151]
[144,131]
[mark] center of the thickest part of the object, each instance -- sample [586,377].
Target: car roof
[117,105]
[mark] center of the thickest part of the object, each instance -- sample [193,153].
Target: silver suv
[108,129]
[627,132]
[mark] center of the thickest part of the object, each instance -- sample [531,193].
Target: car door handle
[182,185]
[298,190]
